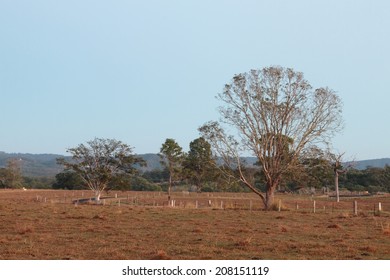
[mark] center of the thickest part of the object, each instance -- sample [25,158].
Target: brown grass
[336,226]
[57,229]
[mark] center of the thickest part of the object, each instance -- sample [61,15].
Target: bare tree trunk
[169,188]
[336,183]
[269,200]
[269,195]
[97,195]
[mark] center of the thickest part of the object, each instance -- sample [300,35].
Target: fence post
[314,206]
[221,204]
[355,208]
[196,204]
[379,207]
[297,206]
[280,205]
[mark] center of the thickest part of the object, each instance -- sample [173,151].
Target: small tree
[171,157]
[10,176]
[99,161]
[338,169]
[199,164]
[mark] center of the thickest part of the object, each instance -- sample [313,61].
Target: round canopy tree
[199,163]
[276,114]
[99,161]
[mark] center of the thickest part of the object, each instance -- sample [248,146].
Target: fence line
[244,201]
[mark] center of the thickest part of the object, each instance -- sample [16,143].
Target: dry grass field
[43,225]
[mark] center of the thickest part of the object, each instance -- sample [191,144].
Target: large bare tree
[275,115]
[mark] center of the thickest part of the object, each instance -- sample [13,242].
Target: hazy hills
[34,165]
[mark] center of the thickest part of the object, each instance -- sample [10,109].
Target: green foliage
[99,161]
[157,175]
[127,182]
[314,170]
[141,184]
[371,179]
[38,182]
[199,164]
[172,157]
[68,181]
[10,176]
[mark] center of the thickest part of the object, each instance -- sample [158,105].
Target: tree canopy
[10,176]
[172,156]
[98,161]
[275,115]
[199,164]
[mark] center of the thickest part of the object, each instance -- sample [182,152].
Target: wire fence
[352,205]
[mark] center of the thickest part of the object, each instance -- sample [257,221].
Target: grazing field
[47,225]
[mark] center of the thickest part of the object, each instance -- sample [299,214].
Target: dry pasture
[37,224]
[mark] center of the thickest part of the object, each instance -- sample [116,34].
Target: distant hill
[35,165]
[363,164]
[152,162]
[38,165]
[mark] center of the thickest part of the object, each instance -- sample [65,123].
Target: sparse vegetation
[57,229]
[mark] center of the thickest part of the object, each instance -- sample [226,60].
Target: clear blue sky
[144,71]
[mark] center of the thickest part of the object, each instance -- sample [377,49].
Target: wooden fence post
[280,205]
[355,208]
[379,207]
[314,206]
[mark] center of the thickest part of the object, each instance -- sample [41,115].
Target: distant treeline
[42,172]
[371,179]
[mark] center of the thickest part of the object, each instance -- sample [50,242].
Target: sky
[144,71]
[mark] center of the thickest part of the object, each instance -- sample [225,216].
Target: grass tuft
[335,226]
[161,255]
